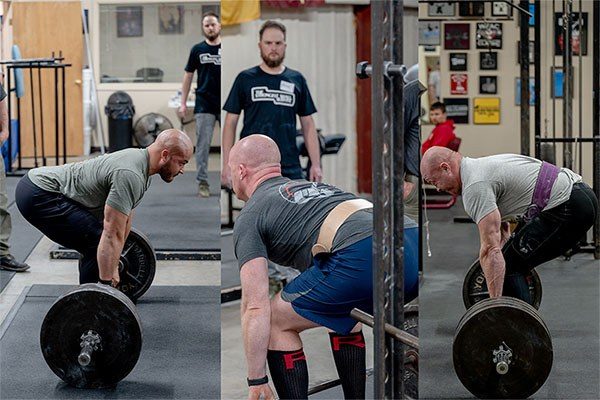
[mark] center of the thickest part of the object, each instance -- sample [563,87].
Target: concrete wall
[480,140]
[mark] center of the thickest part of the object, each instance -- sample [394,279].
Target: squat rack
[53,63]
[544,146]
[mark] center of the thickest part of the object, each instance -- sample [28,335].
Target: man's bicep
[126,191]
[114,220]
[489,229]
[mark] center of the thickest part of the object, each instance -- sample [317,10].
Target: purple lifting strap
[543,186]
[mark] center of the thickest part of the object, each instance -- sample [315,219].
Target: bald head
[174,140]
[440,166]
[433,157]
[255,152]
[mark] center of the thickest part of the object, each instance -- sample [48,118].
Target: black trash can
[119,110]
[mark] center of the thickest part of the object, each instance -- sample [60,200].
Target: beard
[211,36]
[272,63]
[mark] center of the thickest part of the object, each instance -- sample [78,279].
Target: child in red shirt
[443,133]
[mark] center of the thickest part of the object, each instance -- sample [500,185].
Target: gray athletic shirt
[506,182]
[119,180]
[281,222]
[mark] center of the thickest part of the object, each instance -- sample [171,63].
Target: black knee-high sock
[350,361]
[289,373]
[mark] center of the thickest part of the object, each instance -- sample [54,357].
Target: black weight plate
[486,327]
[475,287]
[102,309]
[137,265]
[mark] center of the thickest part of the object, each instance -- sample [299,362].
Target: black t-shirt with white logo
[206,59]
[270,104]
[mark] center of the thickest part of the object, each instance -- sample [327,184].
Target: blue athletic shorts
[336,283]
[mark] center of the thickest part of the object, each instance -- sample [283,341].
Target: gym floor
[179,308]
[569,307]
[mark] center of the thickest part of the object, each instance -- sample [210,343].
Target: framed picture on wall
[441,9]
[457,109]
[489,35]
[531,52]
[486,110]
[518,91]
[458,61]
[579,34]
[429,33]
[170,19]
[471,8]
[488,60]
[557,82]
[488,85]
[459,83]
[456,36]
[130,21]
[501,9]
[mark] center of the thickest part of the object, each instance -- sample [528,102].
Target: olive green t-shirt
[119,180]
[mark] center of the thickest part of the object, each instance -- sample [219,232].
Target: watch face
[500,8]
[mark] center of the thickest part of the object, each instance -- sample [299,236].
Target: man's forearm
[494,269]
[109,252]
[311,141]
[3,116]
[256,326]
[185,89]
[228,138]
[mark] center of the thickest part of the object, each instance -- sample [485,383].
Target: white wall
[321,45]
[480,140]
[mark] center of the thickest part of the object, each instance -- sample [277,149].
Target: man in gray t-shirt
[285,220]
[500,188]
[88,206]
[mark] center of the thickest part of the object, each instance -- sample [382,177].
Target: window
[148,42]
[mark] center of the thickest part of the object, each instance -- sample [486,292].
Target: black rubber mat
[180,357]
[569,307]
[175,218]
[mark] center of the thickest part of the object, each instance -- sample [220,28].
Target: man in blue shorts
[326,234]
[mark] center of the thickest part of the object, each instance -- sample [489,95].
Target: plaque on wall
[429,33]
[471,8]
[459,83]
[458,61]
[457,109]
[441,9]
[456,36]
[488,60]
[488,84]
[501,9]
[486,110]
[489,35]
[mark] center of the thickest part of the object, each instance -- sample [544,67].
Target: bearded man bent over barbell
[327,234]
[555,207]
[88,206]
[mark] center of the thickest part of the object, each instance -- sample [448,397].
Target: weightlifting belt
[541,193]
[334,220]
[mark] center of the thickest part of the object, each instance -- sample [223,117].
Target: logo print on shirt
[207,58]
[278,97]
[303,192]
